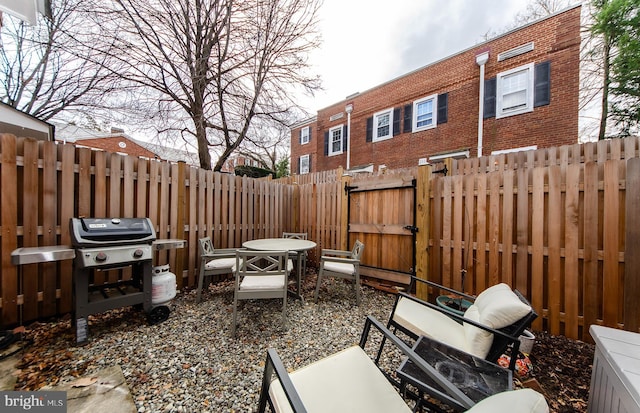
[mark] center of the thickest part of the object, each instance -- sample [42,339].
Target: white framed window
[425,113]
[304,164]
[335,140]
[383,125]
[514,91]
[304,135]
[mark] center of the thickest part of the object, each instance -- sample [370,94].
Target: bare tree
[208,69]
[50,68]
[269,147]
[536,9]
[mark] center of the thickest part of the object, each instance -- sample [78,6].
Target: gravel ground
[190,362]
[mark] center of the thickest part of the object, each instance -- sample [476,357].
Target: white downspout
[481,60]
[348,109]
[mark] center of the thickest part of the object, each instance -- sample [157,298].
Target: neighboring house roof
[304,122]
[22,124]
[118,141]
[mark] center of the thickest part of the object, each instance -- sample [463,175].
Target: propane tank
[163,285]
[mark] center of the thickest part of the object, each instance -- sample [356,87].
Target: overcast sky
[368,42]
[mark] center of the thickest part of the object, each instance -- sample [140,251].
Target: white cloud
[368,42]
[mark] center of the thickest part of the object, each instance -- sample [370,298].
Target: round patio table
[283,244]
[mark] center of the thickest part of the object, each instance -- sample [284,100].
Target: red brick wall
[556,39]
[112,144]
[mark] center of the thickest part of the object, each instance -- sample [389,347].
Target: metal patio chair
[260,275]
[341,264]
[487,329]
[213,262]
[351,381]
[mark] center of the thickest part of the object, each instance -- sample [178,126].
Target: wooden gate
[381,214]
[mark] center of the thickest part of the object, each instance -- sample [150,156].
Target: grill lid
[94,232]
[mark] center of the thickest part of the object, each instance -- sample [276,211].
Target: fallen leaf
[84,382]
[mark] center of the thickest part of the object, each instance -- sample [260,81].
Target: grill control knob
[101,257]
[138,253]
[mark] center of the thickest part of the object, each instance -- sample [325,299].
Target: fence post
[9,235]
[632,240]
[345,180]
[296,207]
[423,216]
[181,222]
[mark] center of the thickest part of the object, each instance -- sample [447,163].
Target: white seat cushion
[347,381]
[423,320]
[220,263]
[516,401]
[341,267]
[289,265]
[267,282]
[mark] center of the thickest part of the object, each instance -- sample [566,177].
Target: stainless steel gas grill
[105,244]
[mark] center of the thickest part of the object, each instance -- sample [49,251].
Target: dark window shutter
[300,137]
[299,164]
[542,84]
[396,121]
[443,108]
[326,143]
[490,98]
[310,134]
[344,138]
[310,156]
[408,120]
[369,129]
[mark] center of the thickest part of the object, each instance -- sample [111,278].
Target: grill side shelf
[34,255]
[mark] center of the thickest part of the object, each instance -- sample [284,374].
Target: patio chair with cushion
[341,264]
[261,275]
[351,381]
[300,258]
[213,262]
[490,326]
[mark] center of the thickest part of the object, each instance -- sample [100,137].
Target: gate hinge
[443,171]
[411,228]
[348,188]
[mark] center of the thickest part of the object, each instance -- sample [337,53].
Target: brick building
[117,141]
[524,83]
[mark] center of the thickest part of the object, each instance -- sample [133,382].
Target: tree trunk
[605,88]
[203,143]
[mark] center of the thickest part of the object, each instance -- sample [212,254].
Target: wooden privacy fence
[562,225]
[44,184]
[559,224]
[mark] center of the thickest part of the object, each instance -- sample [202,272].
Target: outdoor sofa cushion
[347,381]
[422,320]
[516,401]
